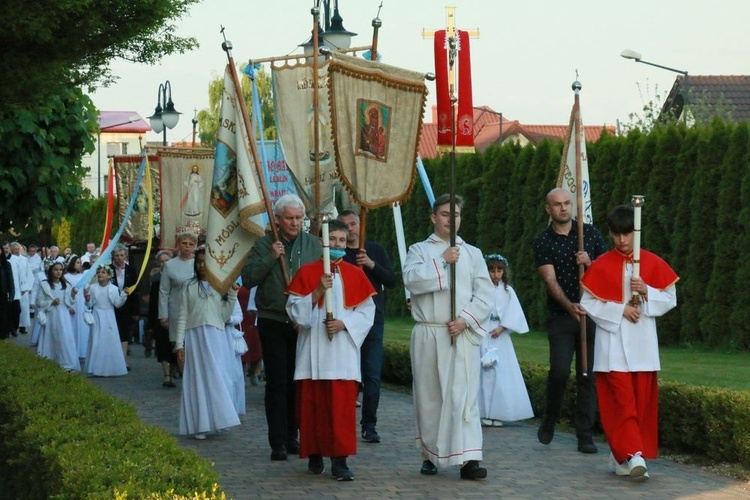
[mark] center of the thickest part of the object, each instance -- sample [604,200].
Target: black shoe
[472,470]
[370,436]
[22,330]
[278,453]
[293,447]
[315,464]
[587,445]
[339,470]
[546,432]
[428,468]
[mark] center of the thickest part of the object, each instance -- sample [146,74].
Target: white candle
[327,266]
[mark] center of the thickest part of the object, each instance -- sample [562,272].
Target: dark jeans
[279,342]
[372,363]
[565,341]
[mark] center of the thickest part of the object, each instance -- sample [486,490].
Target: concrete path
[518,465]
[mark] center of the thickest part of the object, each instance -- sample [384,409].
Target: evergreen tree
[721,292]
[711,147]
[739,319]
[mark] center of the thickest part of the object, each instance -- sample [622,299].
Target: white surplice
[446,377]
[337,359]
[622,346]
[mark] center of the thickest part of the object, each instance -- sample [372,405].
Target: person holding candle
[331,301]
[626,358]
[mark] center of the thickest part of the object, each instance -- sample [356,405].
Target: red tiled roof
[491,127]
[122,122]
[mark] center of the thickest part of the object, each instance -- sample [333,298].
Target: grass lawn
[690,366]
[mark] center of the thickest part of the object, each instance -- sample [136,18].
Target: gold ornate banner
[376,113]
[293,95]
[185,192]
[126,174]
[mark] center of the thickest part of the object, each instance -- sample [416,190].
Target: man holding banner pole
[558,258]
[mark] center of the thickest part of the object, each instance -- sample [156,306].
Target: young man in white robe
[444,350]
[328,354]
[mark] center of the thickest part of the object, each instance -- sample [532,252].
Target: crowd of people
[312,328]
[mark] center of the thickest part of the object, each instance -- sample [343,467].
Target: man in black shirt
[557,259]
[377,266]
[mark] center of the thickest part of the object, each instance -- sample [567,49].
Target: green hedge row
[699,420]
[61,437]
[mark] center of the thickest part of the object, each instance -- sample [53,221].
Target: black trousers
[563,332]
[279,342]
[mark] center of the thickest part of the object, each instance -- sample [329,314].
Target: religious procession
[253,286]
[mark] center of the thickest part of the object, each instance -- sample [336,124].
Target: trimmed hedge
[61,437]
[700,420]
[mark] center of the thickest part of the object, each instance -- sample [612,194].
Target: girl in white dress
[54,301]
[80,328]
[503,395]
[202,348]
[104,355]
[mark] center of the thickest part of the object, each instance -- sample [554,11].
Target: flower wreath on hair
[105,267]
[496,256]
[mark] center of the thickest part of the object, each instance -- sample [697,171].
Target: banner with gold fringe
[376,114]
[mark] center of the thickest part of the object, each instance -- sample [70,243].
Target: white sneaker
[612,464]
[497,423]
[200,436]
[486,422]
[637,467]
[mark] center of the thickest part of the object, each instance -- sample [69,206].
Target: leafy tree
[40,160]
[208,118]
[49,45]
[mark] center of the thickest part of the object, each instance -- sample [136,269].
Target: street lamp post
[134,118]
[636,56]
[165,118]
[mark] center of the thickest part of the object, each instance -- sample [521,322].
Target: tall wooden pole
[579,207]
[227,46]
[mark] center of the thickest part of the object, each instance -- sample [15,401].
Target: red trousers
[629,410]
[326,414]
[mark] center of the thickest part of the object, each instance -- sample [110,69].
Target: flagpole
[227,47]
[376,24]
[452,52]
[315,11]
[579,207]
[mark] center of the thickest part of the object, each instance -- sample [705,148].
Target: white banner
[235,204]
[567,177]
[293,97]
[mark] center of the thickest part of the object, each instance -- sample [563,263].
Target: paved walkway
[518,465]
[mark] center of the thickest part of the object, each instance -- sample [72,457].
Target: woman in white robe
[503,395]
[206,404]
[104,357]
[53,301]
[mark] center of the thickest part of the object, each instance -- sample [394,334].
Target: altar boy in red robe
[626,352]
[328,364]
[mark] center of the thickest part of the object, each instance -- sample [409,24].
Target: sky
[523,63]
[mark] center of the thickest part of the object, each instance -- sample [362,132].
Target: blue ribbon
[84,281]
[425,181]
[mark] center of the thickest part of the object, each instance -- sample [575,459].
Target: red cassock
[326,409]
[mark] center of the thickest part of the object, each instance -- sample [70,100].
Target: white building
[119,134]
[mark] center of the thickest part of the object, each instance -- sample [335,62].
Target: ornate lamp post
[165,118]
